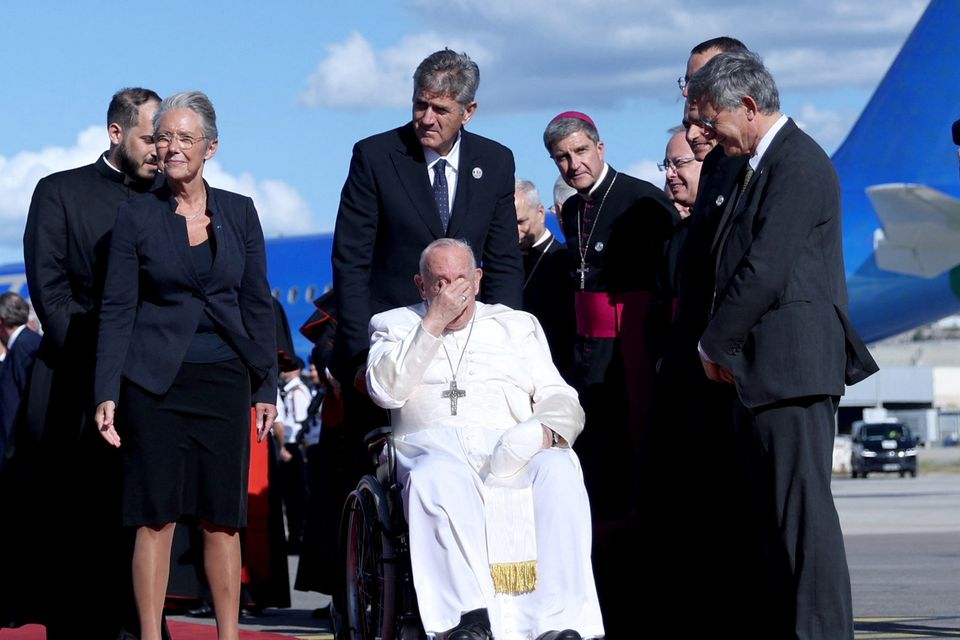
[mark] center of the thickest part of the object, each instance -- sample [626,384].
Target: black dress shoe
[474,625]
[566,634]
[203,611]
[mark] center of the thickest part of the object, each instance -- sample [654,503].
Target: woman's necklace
[200,210]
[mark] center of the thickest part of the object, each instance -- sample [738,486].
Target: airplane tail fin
[903,134]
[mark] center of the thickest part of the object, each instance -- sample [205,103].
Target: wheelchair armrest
[379,443]
[375,439]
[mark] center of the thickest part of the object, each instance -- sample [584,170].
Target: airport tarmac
[903,547]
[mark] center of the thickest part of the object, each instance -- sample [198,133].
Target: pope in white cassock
[493,494]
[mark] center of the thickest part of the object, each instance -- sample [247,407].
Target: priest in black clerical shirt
[547,288]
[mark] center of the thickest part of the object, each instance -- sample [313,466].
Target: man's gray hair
[448,73]
[528,191]
[728,77]
[560,128]
[14,310]
[446,243]
[195,101]
[561,191]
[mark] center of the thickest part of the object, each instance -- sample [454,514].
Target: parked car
[887,447]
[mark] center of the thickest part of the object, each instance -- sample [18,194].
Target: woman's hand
[266,413]
[104,420]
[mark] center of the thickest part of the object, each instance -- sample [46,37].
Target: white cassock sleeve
[555,405]
[400,352]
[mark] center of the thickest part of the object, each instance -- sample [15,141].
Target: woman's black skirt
[187,452]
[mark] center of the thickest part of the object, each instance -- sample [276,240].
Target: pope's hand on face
[450,301]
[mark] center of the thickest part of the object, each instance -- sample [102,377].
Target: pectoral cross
[583,274]
[454,394]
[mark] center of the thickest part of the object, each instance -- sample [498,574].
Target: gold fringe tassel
[514,577]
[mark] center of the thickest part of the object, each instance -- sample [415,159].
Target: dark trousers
[336,465]
[799,565]
[293,487]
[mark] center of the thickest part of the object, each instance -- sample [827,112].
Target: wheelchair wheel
[370,590]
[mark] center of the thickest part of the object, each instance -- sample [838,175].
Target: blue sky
[295,84]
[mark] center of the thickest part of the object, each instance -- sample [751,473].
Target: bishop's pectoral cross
[454,394]
[583,274]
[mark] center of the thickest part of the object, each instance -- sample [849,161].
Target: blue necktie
[440,192]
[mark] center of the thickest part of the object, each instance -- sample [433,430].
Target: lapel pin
[598,246]
[477,173]
[719,200]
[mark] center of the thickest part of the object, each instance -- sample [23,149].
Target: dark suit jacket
[548,295]
[780,319]
[153,297]
[14,376]
[388,215]
[65,247]
[694,281]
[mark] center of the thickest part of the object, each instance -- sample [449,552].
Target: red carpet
[178,631]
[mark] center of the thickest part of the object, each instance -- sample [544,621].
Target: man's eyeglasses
[709,124]
[163,140]
[682,83]
[674,164]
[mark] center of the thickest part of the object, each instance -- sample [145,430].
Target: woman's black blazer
[153,298]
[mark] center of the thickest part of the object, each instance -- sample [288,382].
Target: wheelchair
[377,600]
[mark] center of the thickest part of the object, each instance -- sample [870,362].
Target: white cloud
[827,127]
[605,53]
[354,75]
[647,170]
[19,175]
[808,67]
[282,210]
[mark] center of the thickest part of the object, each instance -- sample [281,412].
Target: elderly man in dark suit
[72,472]
[779,333]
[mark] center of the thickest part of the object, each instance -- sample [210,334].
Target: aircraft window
[275,293]
[292,295]
[310,293]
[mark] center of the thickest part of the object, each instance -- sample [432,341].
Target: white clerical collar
[452,157]
[544,237]
[766,140]
[13,336]
[596,185]
[105,159]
